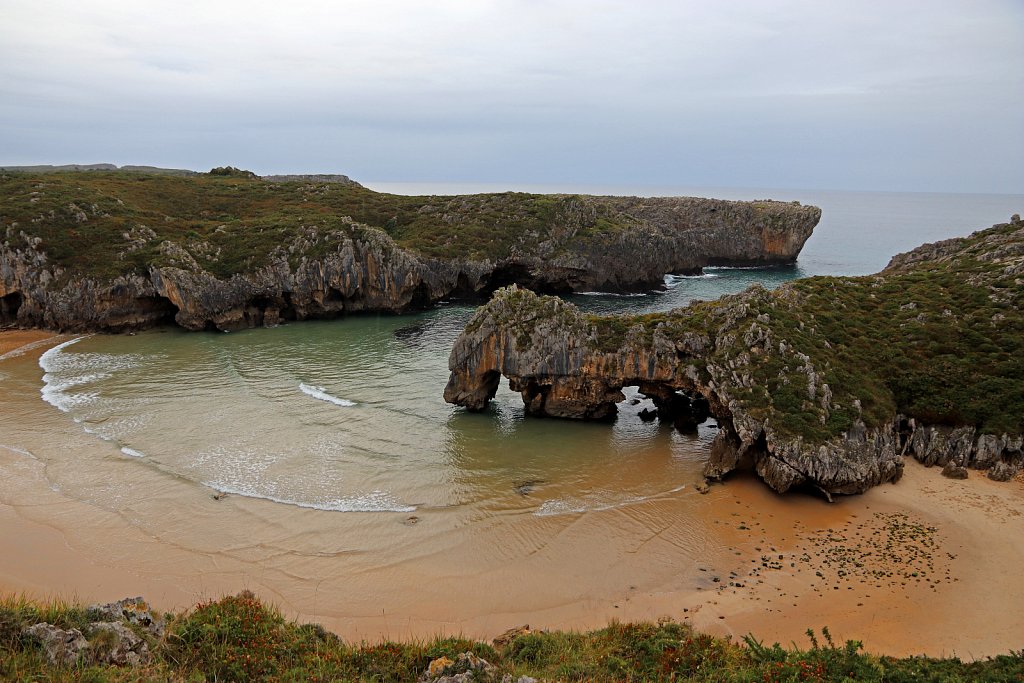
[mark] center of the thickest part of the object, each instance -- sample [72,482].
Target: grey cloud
[886,95]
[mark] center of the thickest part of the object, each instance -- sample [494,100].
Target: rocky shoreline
[824,383]
[93,252]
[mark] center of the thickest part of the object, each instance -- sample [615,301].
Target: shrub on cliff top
[231,172]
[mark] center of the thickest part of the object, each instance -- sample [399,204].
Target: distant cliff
[110,250]
[824,382]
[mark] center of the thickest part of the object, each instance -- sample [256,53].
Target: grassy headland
[937,339]
[238,638]
[117,250]
[826,380]
[233,222]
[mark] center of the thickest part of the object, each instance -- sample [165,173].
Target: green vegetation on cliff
[240,639]
[937,336]
[116,250]
[112,223]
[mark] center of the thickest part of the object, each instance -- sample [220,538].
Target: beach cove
[680,555]
[317,465]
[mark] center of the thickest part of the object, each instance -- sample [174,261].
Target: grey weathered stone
[954,471]
[132,610]
[466,667]
[112,642]
[62,647]
[1003,471]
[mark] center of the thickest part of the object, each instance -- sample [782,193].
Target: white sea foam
[629,295]
[132,452]
[593,503]
[52,391]
[19,451]
[321,394]
[48,360]
[676,279]
[738,267]
[64,371]
[375,501]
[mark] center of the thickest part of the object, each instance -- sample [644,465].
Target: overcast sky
[888,95]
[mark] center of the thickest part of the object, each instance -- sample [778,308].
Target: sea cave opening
[10,304]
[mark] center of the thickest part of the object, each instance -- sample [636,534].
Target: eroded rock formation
[335,265]
[779,370]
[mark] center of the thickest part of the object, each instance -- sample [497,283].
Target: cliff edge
[115,250]
[824,382]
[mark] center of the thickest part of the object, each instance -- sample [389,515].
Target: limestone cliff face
[328,272]
[780,382]
[666,235]
[35,294]
[365,273]
[549,353]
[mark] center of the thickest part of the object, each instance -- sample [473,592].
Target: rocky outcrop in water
[143,266]
[825,383]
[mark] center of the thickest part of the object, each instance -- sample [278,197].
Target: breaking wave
[321,394]
[375,501]
[594,502]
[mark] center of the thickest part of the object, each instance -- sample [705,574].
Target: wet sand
[22,340]
[928,565]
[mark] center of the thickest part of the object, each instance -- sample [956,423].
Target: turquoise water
[347,415]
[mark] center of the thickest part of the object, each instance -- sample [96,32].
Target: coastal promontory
[824,382]
[115,250]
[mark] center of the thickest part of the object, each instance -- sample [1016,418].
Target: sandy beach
[22,341]
[928,565]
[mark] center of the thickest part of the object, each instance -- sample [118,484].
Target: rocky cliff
[824,382]
[114,251]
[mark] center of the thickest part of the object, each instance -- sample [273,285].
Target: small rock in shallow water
[525,488]
[648,415]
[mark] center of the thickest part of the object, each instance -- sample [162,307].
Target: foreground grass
[238,638]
